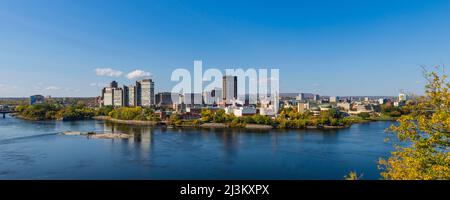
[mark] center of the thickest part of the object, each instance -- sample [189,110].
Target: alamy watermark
[234,86]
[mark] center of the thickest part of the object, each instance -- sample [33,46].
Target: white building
[108,96]
[117,97]
[301,97]
[334,99]
[270,107]
[344,105]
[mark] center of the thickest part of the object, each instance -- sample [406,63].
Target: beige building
[145,92]
[118,97]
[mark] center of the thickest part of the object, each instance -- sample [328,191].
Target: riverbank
[215,125]
[130,122]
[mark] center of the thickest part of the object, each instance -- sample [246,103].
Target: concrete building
[108,96]
[344,106]
[301,97]
[36,99]
[145,92]
[270,107]
[244,111]
[382,101]
[125,96]
[229,89]
[334,99]
[325,107]
[302,107]
[316,97]
[131,95]
[163,99]
[118,97]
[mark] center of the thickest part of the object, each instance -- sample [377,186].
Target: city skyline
[73,49]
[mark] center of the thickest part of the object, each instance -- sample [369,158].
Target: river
[38,150]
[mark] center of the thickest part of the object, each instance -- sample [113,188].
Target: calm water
[37,150]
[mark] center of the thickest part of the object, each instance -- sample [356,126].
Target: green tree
[207,115]
[426,132]
[219,116]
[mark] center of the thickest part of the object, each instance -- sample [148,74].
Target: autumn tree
[423,152]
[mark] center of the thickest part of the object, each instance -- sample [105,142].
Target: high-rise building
[276,103]
[301,97]
[125,96]
[145,92]
[334,99]
[301,107]
[118,97]
[229,89]
[108,96]
[131,95]
[316,97]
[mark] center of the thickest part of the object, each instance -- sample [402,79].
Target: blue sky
[327,47]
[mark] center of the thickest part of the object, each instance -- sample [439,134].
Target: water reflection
[141,143]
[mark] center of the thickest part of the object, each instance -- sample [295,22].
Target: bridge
[4,111]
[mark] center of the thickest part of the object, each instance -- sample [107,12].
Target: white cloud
[108,72]
[138,74]
[98,85]
[52,88]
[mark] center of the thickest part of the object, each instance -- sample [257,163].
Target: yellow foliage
[426,131]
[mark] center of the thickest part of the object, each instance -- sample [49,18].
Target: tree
[219,116]
[426,132]
[364,115]
[207,115]
[353,176]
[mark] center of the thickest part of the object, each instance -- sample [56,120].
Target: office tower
[108,96]
[131,95]
[229,88]
[117,97]
[334,99]
[125,96]
[316,97]
[301,97]
[145,92]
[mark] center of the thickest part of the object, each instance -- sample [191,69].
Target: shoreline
[208,125]
[214,125]
[129,122]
